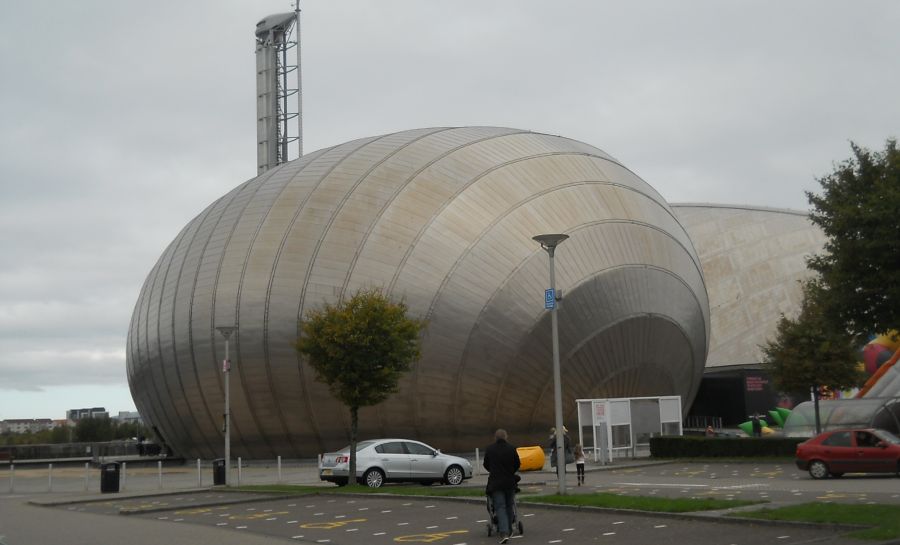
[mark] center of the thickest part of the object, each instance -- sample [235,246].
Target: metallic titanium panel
[753,259]
[443,218]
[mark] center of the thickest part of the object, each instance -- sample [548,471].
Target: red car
[850,451]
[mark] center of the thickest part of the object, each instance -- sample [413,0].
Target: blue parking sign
[549,298]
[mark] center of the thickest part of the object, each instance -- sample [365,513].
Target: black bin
[219,471]
[109,477]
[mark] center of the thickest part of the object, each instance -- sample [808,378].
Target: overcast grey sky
[121,120]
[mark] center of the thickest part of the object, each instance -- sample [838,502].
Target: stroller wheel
[521,528]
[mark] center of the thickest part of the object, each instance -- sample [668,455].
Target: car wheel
[373,478]
[454,475]
[818,469]
[341,482]
[427,483]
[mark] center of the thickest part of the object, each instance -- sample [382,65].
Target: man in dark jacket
[502,462]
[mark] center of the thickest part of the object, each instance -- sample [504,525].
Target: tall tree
[859,211]
[809,351]
[360,348]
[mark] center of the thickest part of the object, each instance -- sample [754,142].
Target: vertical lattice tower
[277,102]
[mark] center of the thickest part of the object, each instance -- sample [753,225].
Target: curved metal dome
[442,218]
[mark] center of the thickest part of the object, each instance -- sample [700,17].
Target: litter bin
[109,477]
[219,471]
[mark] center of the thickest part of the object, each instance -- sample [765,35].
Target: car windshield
[359,446]
[885,435]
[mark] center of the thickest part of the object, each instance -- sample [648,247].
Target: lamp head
[226,331]
[550,241]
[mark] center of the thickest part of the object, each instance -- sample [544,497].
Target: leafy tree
[859,211]
[88,430]
[360,348]
[809,352]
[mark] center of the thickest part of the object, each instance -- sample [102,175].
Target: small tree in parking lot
[810,352]
[359,348]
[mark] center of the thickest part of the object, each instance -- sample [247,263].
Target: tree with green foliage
[360,348]
[859,211]
[809,352]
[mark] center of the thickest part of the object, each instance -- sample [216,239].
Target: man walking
[502,461]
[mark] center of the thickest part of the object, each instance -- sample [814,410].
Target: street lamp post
[549,243]
[226,332]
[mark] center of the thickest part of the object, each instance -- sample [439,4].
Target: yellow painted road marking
[428,538]
[330,525]
[255,516]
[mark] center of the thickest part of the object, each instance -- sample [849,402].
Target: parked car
[837,452]
[394,460]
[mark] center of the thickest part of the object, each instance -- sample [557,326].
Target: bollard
[199,475]
[475,470]
[239,471]
[50,477]
[279,469]
[159,472]
[12,477]
[86,475]
[124,474]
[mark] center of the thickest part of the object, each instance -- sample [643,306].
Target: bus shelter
[622,427]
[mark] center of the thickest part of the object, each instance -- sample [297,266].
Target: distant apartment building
[75,415]
[129,417]
[25,425]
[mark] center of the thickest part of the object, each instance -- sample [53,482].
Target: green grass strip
[884,519]
[642,503]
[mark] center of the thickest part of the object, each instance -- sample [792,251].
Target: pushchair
[515,525]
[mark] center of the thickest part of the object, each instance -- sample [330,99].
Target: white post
[240,470]
[124,474]
[159,473]
[199,475]
[12,477]
[279,469]
[50,477]
[87,475]
[476,469]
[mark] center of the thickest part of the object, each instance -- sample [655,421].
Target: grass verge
[614,501]
[642,503]
[883,519]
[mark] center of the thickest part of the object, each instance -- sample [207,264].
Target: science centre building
[443,219]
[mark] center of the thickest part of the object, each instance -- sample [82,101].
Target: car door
[839,453]
[393,459]
[423,462]
[871,457]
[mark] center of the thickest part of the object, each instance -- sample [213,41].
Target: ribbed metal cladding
[441,218]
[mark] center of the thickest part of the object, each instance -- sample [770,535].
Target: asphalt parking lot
[778,483]
[192,514]
[353,520]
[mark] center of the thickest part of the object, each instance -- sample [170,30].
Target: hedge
[686,446]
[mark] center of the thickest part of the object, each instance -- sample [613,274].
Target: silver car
[394,460]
